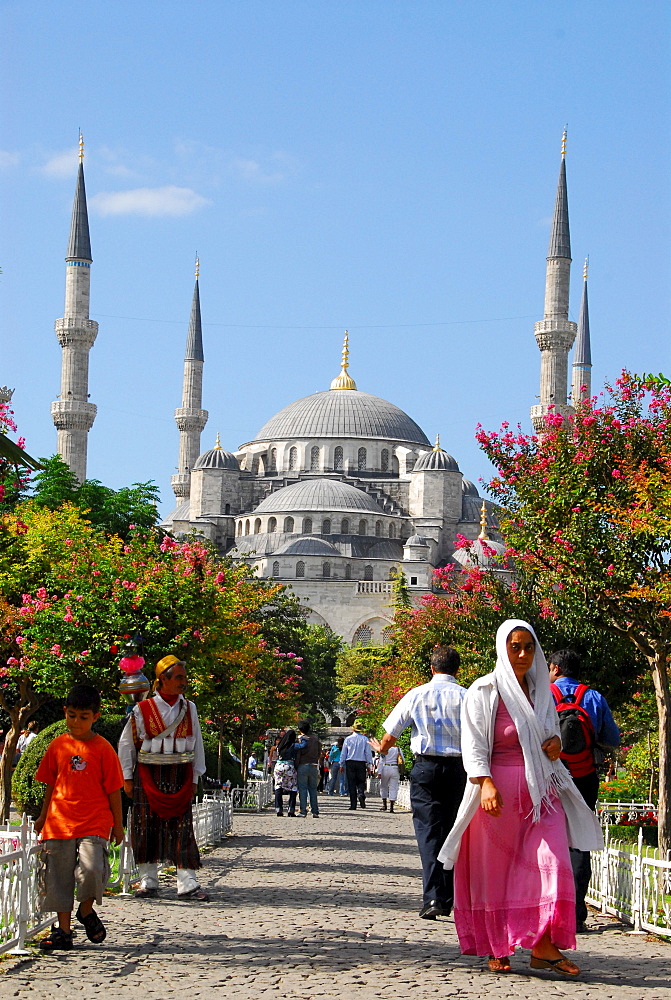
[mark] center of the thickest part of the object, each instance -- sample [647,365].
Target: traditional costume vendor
[162,756]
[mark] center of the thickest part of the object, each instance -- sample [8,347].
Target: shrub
[230,769]
[624,788]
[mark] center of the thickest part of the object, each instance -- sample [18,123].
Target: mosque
[341,490]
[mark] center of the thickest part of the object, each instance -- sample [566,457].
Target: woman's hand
[552,747]
[128,788]
[490,797]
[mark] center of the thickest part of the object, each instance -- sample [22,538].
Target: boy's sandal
[498,964]
[562,965]
[56,938]
[195,894]
[93,925]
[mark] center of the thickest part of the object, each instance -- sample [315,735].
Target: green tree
[587,507]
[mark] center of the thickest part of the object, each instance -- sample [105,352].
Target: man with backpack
[585,721]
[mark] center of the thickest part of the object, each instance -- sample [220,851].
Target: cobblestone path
[321,908]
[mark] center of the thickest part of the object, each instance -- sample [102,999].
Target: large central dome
[345,413]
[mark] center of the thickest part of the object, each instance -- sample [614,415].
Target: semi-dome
[317,494]
[217,458]
[309,547]
[417,540]
[342,413]
[436,460]
[468,488]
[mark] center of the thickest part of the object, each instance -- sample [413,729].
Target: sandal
[146,892]
[498,964]
[562,965]
[198,894]
[56,938]
[93,925]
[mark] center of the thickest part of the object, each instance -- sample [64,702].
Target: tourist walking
[389,769]
[284,773]
[162,756]
[437,779]
[513,882]
[564,666]
[307,769]
[356,757]
[335,778]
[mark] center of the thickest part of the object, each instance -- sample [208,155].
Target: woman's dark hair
[84,697]
[287,741]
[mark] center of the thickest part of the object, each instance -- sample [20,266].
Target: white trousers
[388,782]
[186,878]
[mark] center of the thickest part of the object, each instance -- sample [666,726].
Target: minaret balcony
[552,334]
[181,485]
[73,415]
[73,331]
[190,419]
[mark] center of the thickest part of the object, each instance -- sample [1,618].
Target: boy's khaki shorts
[63,864]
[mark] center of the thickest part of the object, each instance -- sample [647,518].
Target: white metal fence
[254,797]
[20,917]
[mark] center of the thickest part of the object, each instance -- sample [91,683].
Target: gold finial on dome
[436,446]
[483,522]
[344,380]
[585,267]
[197,267]
[81,146]
[563,141]
[217,443]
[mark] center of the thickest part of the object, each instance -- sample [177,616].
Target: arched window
[378,528]
[227,509]
[239,527]
[338,459]
[246,527]
[363,636]
[307,525]
[344,527]
[368,572]
[392,531]
[384,460]
[395,466]
[361,460]
[326,526]
[257,526]
[393,573]
[276,568]
[255,465]
[326,570]
[300,568]
[387,634]
[293,459]
[273,460]
[362,527]
[272,524]
[288,524]
[410,462]
[314,459]
[348,572]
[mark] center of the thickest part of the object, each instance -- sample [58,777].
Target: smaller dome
[482,554]
[468,488]
[436,461]
[418,540]
[217,458]
[317,494]
[310,547]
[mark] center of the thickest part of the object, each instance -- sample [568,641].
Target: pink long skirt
[513,878]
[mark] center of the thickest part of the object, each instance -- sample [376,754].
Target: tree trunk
[660,676]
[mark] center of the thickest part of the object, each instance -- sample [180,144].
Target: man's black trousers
[356,780]
[436,789]
[581,861]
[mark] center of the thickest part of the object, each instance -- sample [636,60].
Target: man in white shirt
[356,757]
[162,756]
[438,779]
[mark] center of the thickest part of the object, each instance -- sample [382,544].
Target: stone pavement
[321,908]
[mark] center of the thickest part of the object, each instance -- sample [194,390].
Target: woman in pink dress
[513,882]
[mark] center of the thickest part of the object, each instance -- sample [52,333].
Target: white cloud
[169,200]
[8,159]
[62,164]
[279,168]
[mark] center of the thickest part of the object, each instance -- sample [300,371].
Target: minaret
[190,417]
[72,413]
[581,387]
[555,333]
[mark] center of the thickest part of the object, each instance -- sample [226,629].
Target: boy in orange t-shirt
[82,804]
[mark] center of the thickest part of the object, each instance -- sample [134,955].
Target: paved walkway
[321,908]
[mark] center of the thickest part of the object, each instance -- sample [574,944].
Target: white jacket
[478,715]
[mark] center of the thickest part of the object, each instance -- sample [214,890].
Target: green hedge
[630,834]
[28,793]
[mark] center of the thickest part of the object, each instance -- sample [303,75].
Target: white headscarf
[535,722]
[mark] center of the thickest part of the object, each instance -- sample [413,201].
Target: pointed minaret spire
[483,522]
[581,387]
[72,413]
[190,417]
[555,333]
[344,380]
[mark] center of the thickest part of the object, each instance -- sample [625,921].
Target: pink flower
[219,578]
[610,570]
[55,649]
[616,474]
[12,661]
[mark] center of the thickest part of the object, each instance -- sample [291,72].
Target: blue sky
[386,167]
